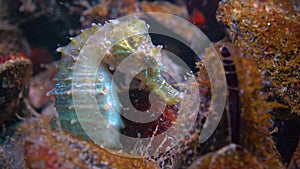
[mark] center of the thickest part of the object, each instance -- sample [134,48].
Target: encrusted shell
[47,148]
[15,72]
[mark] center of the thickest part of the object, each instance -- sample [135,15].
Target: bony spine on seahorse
[136,44]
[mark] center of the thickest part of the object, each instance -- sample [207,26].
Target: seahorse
[89,47]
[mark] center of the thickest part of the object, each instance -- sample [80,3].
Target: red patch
[197,18]
[13,57]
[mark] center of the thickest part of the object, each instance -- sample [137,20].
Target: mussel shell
[15,72]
